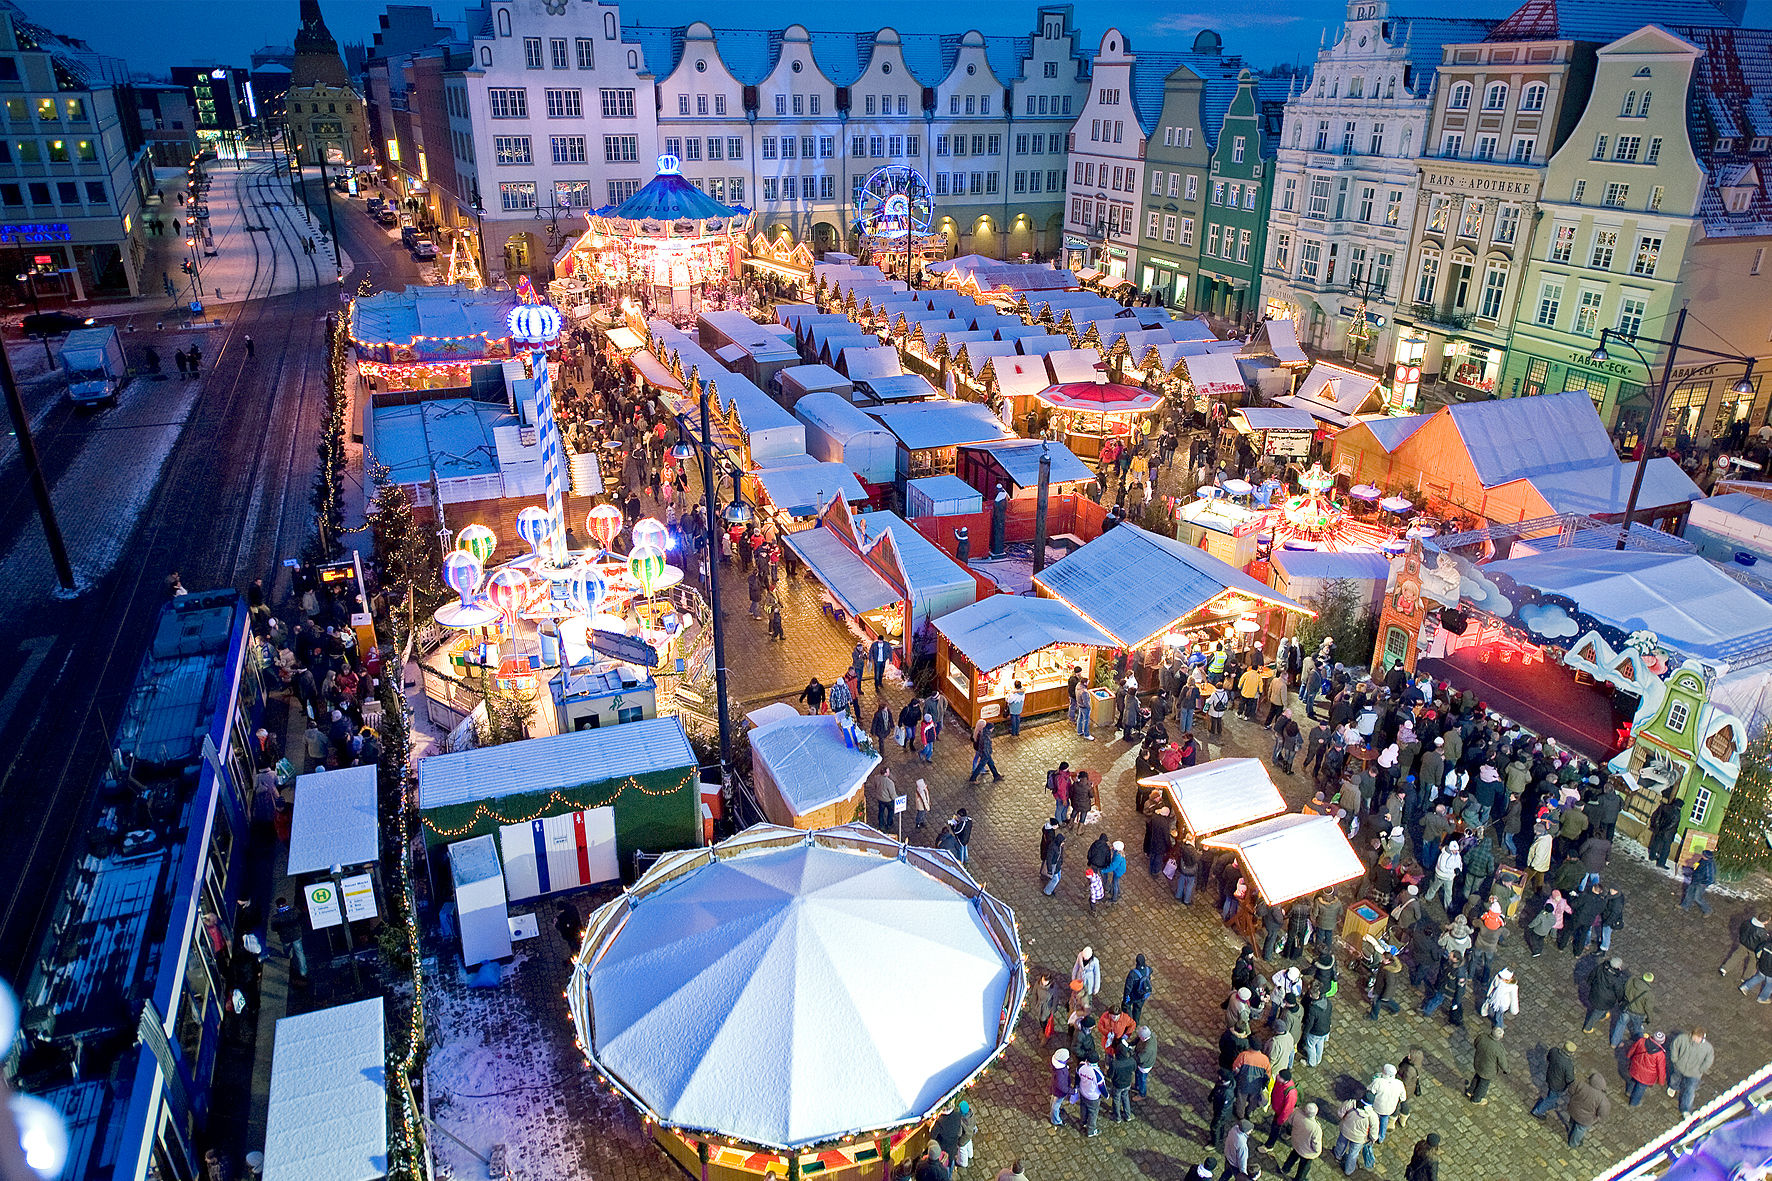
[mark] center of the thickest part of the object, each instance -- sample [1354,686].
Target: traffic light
[185,265]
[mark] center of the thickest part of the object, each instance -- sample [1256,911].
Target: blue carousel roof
[667,197]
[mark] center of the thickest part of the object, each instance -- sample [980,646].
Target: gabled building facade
[1236,201]
[1345,189]
[1501,108]
[1620,207]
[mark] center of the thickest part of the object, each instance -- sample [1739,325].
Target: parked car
[54,323]
[387,216]
[424,248]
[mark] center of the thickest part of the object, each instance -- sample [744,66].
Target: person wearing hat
[1237,1008]
[1424,1163]
[1353,1141]
[1386,986]
[1137,989]
[1638,1010]
[1647,1066]
[1559,1076]
[1062,1090]
[1238,1153]
[1088,970]
[1605,992]
[1145,1056]
[1013,1173]
[1206,1169]
[1388,1094]
[1588,1105]
[1503,998]
[1407,914]
[1490,1061]
[1306,1141]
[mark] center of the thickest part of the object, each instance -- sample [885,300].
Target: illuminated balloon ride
[477,540]
[647,566]
[461,572]
[651,531]
[535,526]
[604,524]
[507,589]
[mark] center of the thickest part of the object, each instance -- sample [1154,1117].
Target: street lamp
[1658,405]
[704,449]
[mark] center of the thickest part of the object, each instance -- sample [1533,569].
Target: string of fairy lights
[550,807]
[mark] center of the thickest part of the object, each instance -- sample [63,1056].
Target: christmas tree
[1745,843]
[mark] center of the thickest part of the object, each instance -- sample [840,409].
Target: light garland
[556,800]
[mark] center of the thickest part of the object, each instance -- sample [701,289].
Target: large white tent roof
[787,989]
[1220,794]
[1292,855]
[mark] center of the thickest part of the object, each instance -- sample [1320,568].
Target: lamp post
[737,513]
[1658,404]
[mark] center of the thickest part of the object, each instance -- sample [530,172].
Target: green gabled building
[1235,200]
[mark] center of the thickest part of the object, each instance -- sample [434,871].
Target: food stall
[1217,796]
[983,649]
[809,770]
[1086,414]
[1291,856]
[1277,432]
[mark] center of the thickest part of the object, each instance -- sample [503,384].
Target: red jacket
[1284,1097]
[1648,1063]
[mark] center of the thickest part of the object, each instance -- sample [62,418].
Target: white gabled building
[1346,180]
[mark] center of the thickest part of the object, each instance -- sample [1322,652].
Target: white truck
[92,359]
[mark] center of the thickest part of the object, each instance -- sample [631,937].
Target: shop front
[1472,365]
[984,650]
[1164,278]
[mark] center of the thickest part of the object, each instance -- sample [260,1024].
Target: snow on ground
[503,1070]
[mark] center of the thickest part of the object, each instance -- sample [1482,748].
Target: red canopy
[1099,398]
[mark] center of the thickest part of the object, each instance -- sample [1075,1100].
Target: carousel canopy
[667,197]
[759,990]
[1096,398]
[1221,794]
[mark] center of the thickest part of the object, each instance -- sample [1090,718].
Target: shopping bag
[1169,868]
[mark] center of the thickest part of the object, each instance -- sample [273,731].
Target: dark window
[68,192]
[11,195]
[8,69]
[39,192]
[95,192]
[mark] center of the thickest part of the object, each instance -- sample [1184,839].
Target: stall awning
[855,583]
[1282,337]
[1002,629]
[328,1107]
[1283,418]
[1292,856]
[655,373]
[335,821]
[625,339]
[804,490]
[1219,795]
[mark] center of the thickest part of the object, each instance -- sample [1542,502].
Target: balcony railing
[1427,313]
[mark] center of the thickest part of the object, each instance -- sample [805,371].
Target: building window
[1593,387]
[1587,313]
[1356,265]
[1347,138]
[557,56]
[1647,256]
[532,53]
[1605,243]
[511,149]
[767,146]
[1655,195]
[1495,97]
[1616,195]
[1319,202]
[1438,212]
[770,188]
[1577,192]
[1375,145]
[1536,370]
[1507,224]
[1677,716]
[1494,286]
[1524,146]
[513,102]
[1470,225]
[621,149]
[570,149]
[1168,227]
[1532,99]
[1550,301]
[1630,314]
[1563,244]
[1187,231]
[1627,148]
[1393,210]
[1452,144]
[1461,97]
[1243,240]
[1323,136]
[1486,145]
[1218,192]
[1237,148]
[1427,280]
[1193,189]
[1600,142]
[1701,798]
[682,104]
[1310,256]
[95,192]
[517,195]
[1212,240]
[1152,224]
[1381,271]
[587,53]
[1282,249]
[568,104]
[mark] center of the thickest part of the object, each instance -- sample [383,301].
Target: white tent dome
[794,988]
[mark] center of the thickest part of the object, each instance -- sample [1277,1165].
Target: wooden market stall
[809,770]
[1288,857]
[983,649]
[1217,796]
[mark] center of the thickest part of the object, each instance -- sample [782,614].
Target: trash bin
[1102,705]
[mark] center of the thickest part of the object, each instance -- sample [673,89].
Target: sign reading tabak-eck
[35,232]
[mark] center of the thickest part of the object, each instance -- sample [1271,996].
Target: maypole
[537,324]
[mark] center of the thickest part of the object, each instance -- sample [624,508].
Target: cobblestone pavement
[1192,954]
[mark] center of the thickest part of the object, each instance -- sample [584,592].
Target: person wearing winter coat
[1588,1105]
[1559,1076]
[1605,992]
[1424,1163]
[1638,1010]
[1503,998]
[1237,1151]
[1353,1141]
[1306,1138]
[1145,1056]
[1087,969]
[1490,1061]
[1546,922]
[1319,1016]
[1647,1066]
[1062,1089]
[1137,989]
[1282,1047]
[1688,1058]
[1387,1094]
[1282,1100]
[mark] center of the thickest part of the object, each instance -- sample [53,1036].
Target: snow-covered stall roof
[810,760]
[758,989]
[328,1110]
[335,820]
[1291,856]
[1221,794]
[1002,629]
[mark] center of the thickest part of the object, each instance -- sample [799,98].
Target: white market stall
[1216,796]
[328,1107]
[677,999]
[336,821]
[1291,856]
[809,770]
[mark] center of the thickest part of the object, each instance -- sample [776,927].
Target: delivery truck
[92,359]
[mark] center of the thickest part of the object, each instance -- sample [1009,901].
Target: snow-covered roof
[335,821]
[940,423]
[1511,438]
[328,1108]
[1333,393]
[1220,794]
[786,989]
[803,490]
[559,760]
[1001,629]
[1291,856]
[811,761]
[1605,488]
[1020,458]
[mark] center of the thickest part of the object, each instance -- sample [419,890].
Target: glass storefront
[1472,365]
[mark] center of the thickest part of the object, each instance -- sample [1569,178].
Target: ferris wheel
[895,198]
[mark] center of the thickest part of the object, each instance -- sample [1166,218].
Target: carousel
[669,239]
[897,212]
[1086,414]
[1314,518]
[749,1000]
